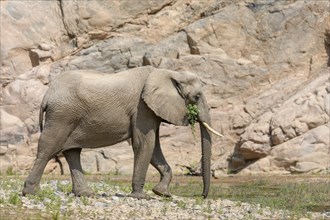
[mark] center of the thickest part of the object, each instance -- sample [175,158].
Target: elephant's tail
[43,108]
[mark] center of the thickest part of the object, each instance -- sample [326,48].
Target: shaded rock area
[265,64]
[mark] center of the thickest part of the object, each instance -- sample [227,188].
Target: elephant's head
[168,93]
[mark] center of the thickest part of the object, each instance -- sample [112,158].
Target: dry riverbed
[55,201]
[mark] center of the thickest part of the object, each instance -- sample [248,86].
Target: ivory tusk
[211,129]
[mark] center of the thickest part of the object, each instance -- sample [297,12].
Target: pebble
[115,198]
[100,204]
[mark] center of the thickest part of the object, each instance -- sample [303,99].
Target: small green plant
[10,171]
[199,200]
[182,204]
[2,201]
[148,186]
[66,188]
[14,199]
[85,200]
[45,193]
[52,202]
[56,215]
[220,211]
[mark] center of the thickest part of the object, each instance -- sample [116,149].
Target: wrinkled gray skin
[88,109]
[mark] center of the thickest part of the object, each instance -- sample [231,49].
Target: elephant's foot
[83,192]
[161,190]
[140,195]
[30,188]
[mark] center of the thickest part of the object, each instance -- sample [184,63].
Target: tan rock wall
[265,65]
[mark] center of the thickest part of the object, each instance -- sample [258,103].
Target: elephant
[90,109]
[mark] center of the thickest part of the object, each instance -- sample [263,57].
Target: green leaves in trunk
[192,112]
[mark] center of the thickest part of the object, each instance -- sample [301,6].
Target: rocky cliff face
[265,64]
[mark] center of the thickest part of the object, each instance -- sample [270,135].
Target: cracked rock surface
[265,66]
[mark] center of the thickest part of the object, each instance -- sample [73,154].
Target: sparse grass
[14,199]
[298,197]
[296,194]
[85,200]
[66,188]
[182,204]
[53,203]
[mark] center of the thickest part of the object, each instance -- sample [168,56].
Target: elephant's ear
[162,94]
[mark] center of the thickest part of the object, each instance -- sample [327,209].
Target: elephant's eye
[197,97]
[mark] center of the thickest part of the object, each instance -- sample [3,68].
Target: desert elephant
[89,109]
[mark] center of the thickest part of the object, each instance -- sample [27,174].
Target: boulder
[297,118]
[22,98]
[8,120]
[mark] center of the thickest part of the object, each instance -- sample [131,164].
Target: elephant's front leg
[143,146]
[143,142]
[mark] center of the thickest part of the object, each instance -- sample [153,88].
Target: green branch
[192,112]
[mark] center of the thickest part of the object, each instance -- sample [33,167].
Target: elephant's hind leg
[50,144]
[159,162]
[79,186]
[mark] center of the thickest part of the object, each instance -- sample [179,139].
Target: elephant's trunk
[206,158]
[204,120]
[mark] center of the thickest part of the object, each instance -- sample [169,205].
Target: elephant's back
[89,91]
[74,78]
[93,78]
